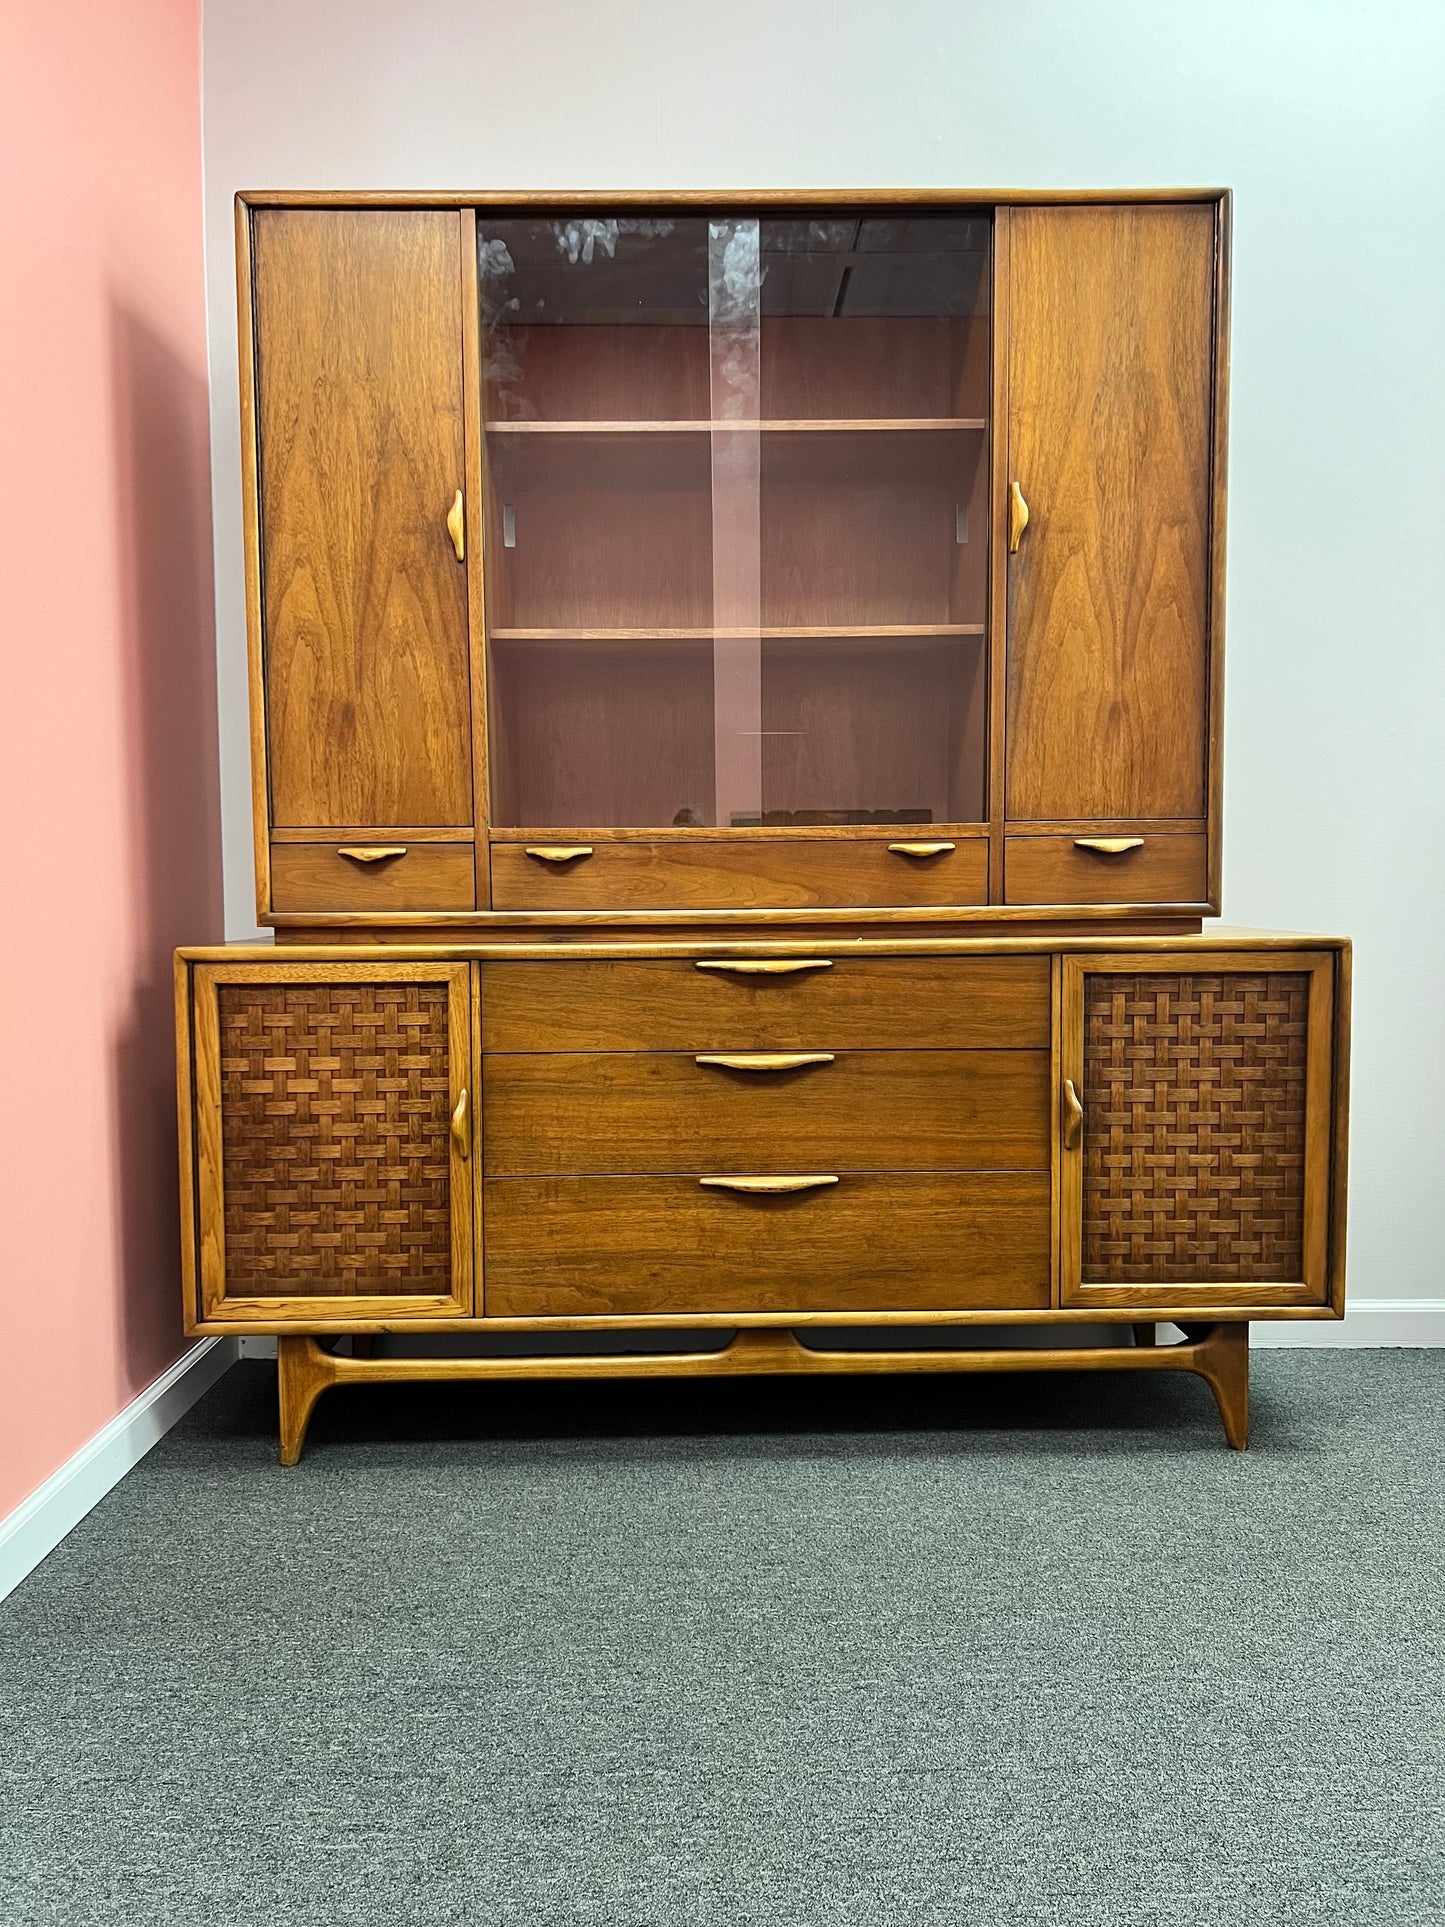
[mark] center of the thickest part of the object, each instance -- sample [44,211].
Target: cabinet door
[358,361]
[1110,357]
[1202,1172]
[332,1140]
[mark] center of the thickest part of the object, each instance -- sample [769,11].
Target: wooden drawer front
[758,874]
[880,1003]
[1167,868]
[864,1111]
[927,1241]
[421,876]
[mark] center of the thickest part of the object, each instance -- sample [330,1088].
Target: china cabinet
[736,698]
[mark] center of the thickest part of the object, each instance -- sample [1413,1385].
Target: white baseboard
[39,1523]
[1373,1321]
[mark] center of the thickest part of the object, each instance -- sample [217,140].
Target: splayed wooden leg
[1224,1361]
[303,1372]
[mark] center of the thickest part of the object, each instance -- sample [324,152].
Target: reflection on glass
[737,518]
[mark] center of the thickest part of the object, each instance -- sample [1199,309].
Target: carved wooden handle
[559,852]
[457,527]
[461,1135]
[372,852]
[1109,845]
[1073,1116]
[778,1060]
[1018,517]
[920,849]
[765,1187]
[767,967]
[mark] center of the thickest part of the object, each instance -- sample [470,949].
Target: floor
[1022,1653]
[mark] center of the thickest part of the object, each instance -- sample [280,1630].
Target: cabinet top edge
[1215,941]
[722,197]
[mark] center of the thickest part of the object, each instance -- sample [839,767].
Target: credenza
[736,699]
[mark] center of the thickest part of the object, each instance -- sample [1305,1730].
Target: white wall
[1325,116]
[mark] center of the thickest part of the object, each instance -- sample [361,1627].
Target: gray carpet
[1035,1651]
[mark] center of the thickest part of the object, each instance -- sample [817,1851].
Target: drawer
[939,1110]
[1158,868]
[420,876]
[669,1246]
[742,873]
[837,1003]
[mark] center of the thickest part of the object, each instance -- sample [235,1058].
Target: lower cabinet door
[1197,1111]
[887,1241]
[332,1140]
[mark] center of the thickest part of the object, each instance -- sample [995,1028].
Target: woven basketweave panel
[1194,1127]
[335,1119]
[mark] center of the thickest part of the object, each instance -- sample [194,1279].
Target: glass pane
[737,519]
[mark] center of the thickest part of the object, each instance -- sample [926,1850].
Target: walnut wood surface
[870,1110]
[1217,1353]
[655,1244]
[860,1003]
[748,873]
[1053,869]
[430,876]
[520,931]
[536,201]
[1110,352]
[358,337]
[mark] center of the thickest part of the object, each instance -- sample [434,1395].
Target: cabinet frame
[1325,1098]
[466,204]
[1328,958]
[208,1304]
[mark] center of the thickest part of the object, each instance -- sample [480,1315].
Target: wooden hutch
[736,717]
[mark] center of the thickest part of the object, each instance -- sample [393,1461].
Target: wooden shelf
[890,425]
[863,632]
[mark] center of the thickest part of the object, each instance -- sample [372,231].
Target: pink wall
[108,790]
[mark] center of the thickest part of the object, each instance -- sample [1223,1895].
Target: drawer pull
[770,967]
[767,1060]
[457,528]
[461,1135]
[372,852]
[765,1187]
[1109,845]
[1073,1116]
[1018,517]
[921,849]
[559,852]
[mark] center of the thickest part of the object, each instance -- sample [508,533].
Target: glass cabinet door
[736,519]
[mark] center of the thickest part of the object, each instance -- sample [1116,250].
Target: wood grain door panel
[333,1167]
[358,334]
[920,1241]
[1201,1175]
[865,1111]
[1110,356]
